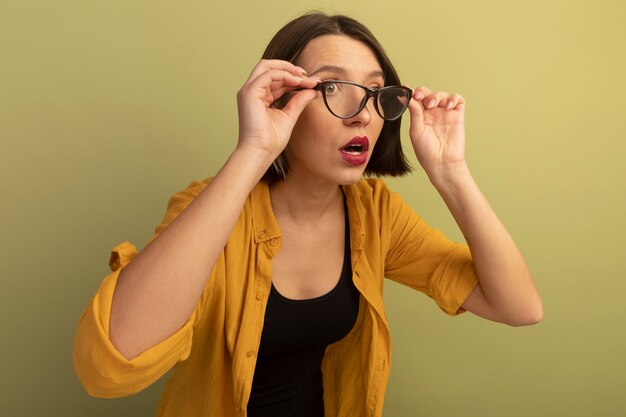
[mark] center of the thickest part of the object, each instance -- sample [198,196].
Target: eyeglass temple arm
[318,87]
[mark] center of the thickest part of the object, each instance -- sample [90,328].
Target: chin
[351,182]
[351,178]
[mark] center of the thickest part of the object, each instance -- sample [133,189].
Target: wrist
[255,156]
[450,176]
[250,162]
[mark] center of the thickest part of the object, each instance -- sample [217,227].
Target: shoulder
[370,188]
[370,193]
[195,187]
[181,199]
[375,199]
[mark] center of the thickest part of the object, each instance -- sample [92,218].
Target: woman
[262,287]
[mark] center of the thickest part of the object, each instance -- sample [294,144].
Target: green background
[108,108]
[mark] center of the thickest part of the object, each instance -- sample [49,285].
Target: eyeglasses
[345,99]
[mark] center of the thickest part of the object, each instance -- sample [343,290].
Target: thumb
[416,110]
[298,102]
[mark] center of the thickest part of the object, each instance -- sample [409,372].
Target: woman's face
[318,144]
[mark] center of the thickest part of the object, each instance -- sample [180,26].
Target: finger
[260,87]
[421,92]
[281,96]
[278,88]
[269,64]
[435,100]
[451,101]
[279,92]
[454,101]
[298,102]
[416,110]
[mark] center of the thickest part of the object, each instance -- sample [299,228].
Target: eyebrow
[338,70]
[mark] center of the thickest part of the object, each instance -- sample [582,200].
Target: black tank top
[288,376]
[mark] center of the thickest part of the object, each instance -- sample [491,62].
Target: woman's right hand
[265,128]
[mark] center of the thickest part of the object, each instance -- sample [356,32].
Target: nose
[363,117]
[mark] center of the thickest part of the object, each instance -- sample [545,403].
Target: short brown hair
[387,157]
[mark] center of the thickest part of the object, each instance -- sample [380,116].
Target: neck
[305,201]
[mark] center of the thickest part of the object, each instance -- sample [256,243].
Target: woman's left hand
[437,130]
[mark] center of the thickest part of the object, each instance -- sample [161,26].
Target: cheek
[376,129]
[313,121]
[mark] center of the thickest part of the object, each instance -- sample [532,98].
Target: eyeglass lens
[392,102]
[345,100]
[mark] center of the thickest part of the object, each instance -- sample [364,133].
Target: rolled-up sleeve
[422,258]
[101,368]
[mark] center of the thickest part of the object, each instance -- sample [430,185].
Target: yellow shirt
[213,354]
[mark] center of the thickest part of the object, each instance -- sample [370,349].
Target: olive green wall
[108,108]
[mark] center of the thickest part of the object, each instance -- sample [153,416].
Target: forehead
[354,57]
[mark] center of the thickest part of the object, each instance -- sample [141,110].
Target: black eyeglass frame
[369,93]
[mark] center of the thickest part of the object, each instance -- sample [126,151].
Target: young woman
[262,287]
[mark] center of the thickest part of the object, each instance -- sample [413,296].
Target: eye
[330,88]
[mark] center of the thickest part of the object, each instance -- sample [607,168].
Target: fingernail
[419,95]
[449,106]
[302,70]
[431,103]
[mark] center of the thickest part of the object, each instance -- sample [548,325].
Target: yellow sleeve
[422,258]
[103,371]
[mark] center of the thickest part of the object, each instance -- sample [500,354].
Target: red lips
[355,151]
[358,142]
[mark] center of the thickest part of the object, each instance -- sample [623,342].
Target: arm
[506,291]
[159,289]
